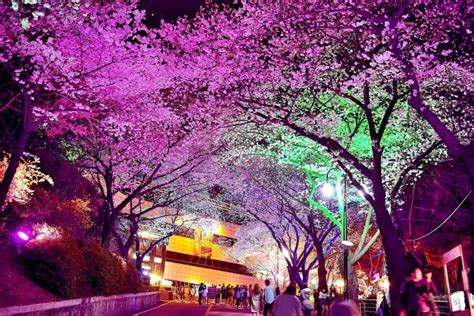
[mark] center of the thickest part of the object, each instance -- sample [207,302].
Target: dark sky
[170,10]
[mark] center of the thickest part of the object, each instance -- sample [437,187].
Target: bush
[104,272]
[72,269]
[57,265]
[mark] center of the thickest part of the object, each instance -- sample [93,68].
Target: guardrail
[368,307]
[115,305]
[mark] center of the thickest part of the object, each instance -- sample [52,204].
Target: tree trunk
[139,262]
[105,235]
[353,286]
[394,254]
[18,151]
[392,244]
[305,275]
[322,273]
[467,160]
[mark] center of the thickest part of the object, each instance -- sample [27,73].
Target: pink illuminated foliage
[70,62]
[309,67]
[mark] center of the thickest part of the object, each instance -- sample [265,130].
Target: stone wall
[116,305]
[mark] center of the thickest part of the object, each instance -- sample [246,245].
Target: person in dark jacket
[414,295]
[200,292]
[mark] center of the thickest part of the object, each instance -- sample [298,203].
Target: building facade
[195,255]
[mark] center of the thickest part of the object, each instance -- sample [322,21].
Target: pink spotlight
[23,236]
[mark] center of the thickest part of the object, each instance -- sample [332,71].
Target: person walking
[200,292]
[432,291]
[181,292]
[256,300]
[277,291]
[324,302]
[231,296]
[306,304]
[287,304]
[268,298]
[245,296]
[218,294]
[238,296]
[414,294]
[204,295]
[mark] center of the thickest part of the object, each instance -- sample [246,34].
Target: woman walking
[256,300]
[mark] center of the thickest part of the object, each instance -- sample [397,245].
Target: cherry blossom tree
[28,175]
[297,67]
[261,188]
[147,160]
[66,62]
[257,250]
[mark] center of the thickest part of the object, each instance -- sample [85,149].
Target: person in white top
[287,304]
[255,300]
[268,298]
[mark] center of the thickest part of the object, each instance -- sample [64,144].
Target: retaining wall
[115,305]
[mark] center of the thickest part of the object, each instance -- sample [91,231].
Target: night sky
[170,10]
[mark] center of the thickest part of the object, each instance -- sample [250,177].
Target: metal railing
[368,307]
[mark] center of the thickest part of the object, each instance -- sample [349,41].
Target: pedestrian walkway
[227,311]
[174,308]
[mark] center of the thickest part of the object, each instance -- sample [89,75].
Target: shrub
[71,269]
[108,274]
[57,265]
[104,272]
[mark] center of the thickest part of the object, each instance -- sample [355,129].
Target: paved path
[193,309]
[176,309]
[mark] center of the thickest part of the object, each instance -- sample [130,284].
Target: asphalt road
[193,309]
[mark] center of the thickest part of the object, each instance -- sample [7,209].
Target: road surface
[193,309]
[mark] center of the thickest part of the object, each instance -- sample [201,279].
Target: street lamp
[346,244]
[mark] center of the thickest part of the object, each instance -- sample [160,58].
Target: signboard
[223,240]
[458,301]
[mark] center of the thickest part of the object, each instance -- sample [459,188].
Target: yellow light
[340,283]
[384,284]
[154,279]
[166,283]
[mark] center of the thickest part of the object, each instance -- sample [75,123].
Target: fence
[116,305]
[368,307]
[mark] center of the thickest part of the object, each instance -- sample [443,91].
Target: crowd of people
[417,298]
[261,301]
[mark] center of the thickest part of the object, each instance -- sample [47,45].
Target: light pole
[346,244]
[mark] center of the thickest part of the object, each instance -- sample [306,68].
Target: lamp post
[346,244]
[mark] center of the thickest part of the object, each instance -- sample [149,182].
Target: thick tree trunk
[394,254]
[392,244]
[322,273]
[18,151]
